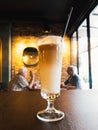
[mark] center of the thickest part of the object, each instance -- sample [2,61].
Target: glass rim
[46,39]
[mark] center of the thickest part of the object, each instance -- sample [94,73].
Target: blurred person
[73,81]
[19,82]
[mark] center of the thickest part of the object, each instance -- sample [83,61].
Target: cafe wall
[14,38]
[19,43]
[26,36]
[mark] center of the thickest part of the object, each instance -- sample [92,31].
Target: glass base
[50,116]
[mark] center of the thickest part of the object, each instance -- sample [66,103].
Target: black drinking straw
[69,16]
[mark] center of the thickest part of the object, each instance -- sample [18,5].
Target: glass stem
[50,107]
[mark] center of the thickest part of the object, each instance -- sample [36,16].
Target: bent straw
[69,16]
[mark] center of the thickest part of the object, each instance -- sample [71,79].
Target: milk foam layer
[49,39]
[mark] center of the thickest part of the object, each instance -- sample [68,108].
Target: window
[83,55]
[94,46]
[88,50]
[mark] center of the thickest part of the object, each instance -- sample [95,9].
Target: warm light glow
[25,58]
[20,47]
[0,60]
[21,42]
[66,46]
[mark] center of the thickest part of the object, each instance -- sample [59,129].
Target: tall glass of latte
[50,63]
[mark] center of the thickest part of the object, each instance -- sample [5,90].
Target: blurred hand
[31,74]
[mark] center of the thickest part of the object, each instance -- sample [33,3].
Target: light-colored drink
[50,63]
[50,55]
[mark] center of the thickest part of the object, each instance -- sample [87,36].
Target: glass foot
[50,116]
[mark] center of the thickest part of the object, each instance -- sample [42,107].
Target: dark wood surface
[18,110]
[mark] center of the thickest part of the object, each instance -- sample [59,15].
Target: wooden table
[18,110]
